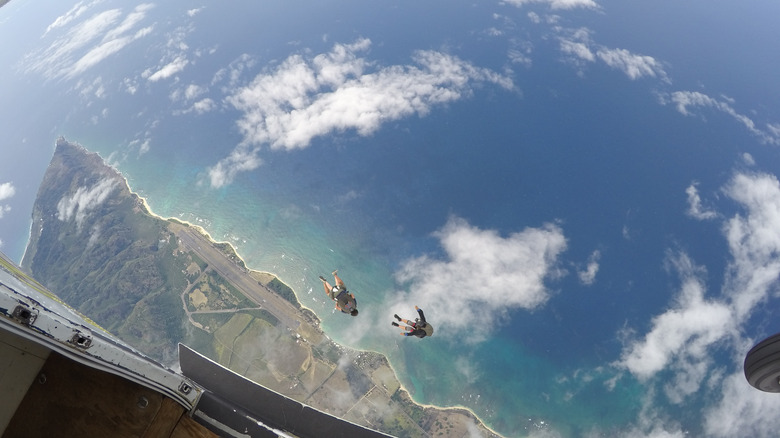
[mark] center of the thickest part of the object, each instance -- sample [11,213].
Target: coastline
[457,409]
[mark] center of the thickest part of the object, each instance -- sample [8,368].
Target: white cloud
[520,56]
[338,91]
[468,368]
[578,49]
[140,33]
[192,91]
[652,424]
[683,339]
[681,335]
[85,199]
[633,65]
[189,94]
[685,100]
[483,277]
[86,43]
[557,4]
[742,411]
[588,275]
[774,129]
[97,54]
[130,22]
[203,106]
[233,72]
[168,70]
[303,100]
[144,148]
[242,159]
[347,197]
[578,43]
[7,191]
[754,241]
[695,209]
[74,12]
[131,86]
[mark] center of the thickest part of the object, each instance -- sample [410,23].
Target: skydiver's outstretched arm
[422,315]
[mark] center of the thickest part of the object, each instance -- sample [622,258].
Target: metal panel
[219,416]
[27,310]
[269,407]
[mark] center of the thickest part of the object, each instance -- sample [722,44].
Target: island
[154,282]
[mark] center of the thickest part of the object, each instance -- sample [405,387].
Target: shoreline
[148,210]
[430,406]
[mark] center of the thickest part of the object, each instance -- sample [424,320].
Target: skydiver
[419,327]
[345,301]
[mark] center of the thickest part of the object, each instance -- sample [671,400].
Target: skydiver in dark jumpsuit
[419,327]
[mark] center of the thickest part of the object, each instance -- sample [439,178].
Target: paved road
[239,277]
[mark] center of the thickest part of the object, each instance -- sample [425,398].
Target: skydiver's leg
[406,328]
[339,283]
[328,287]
